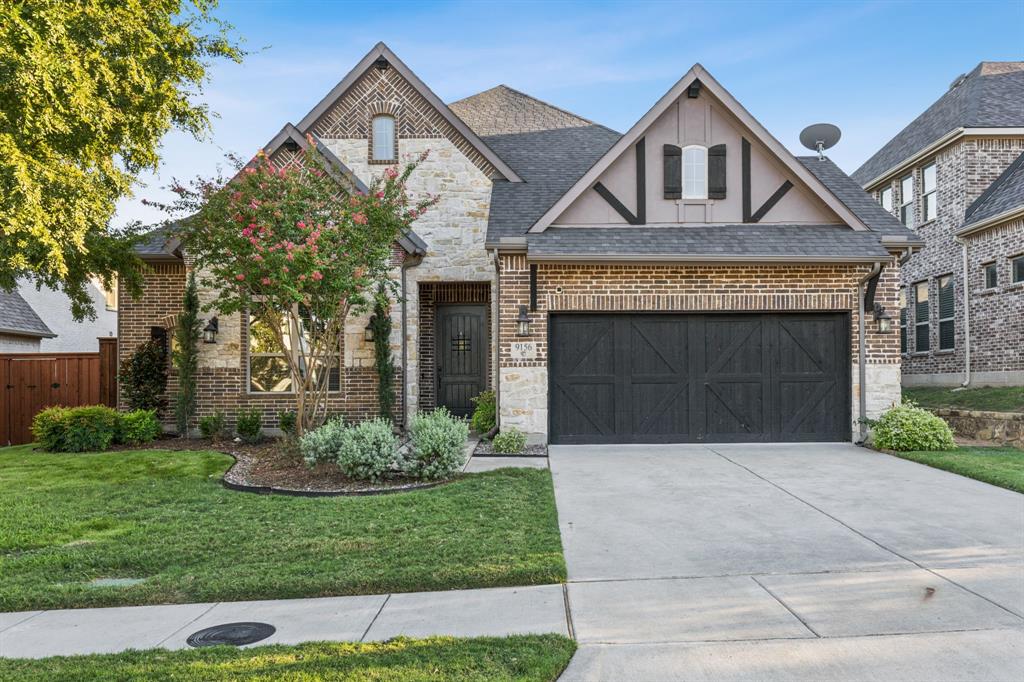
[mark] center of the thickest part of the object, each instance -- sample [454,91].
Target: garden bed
[485,448]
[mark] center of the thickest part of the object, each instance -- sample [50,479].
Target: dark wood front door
[461,347]
[666,378]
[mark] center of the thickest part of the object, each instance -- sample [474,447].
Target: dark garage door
[676,378]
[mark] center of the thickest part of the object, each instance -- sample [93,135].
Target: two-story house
[955,176]
[688,280]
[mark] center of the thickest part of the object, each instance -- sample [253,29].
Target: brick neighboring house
[689,280]
[954,175]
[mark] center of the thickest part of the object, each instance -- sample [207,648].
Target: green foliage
[88,89]
[212,425]
[323,443]
[286,422]
[76,429]
[186,357]
[438,445]
[138,426]
[369,450]
[485,413]
[380,323]
[143,377]
[249,424]
[907,427]
[510,441]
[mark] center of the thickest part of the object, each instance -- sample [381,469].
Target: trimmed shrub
[76,429]
[438,445]
[485,413]
[323,444]
[143,377]
[510,441]
[249,424]
[369,450]
[138,426]
[212,425]
[286,422]
[907,427]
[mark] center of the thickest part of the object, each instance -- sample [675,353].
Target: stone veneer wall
[570,287]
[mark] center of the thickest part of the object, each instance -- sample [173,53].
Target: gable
[751,177]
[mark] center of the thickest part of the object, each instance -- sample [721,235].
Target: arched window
[695,172]
[383,138]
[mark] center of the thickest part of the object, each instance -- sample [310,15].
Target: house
[954,176]
[21,329]
[688,280]
[70,335]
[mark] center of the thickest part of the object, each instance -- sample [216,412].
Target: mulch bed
[486,449]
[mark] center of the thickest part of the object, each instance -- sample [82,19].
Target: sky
[868,67]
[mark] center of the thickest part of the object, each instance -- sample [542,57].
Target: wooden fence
[30,382]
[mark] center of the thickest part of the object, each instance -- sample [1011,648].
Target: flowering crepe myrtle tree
[295,247]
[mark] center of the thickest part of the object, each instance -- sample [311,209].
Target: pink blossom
[379,195]
[265,280]
[290,256]
[302,278]
[391,173]
[240,277]
[359,218]
[257,258]
[317,276]
[301,225]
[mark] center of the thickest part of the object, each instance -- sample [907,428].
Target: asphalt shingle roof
[158,242]
[18,317]
[990,96]
[1005,194]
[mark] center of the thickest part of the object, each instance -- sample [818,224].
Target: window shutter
[673,159]
[946,299]
[716,172]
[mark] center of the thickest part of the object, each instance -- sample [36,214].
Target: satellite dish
[819,137]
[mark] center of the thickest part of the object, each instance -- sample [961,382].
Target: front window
[383,138]
[922,342]
[268,365]
[929,197]
[695,172]
[947,314]
[907,200]
[110,296]
[885,198]
[903,320]
[991,275]
[1017,267]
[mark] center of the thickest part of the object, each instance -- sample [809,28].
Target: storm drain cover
[235,634]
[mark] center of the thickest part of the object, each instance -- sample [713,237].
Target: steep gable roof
[17,317]
[285,147]
[1002,199]
[990,96]
[503,111]
[698,73]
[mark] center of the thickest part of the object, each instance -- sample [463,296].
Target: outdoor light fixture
[210,331]
[522,322]
[368,332]
[882,319]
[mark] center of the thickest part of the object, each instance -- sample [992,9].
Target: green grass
[1001,466]
[524,658]
[990,399]
[163,516]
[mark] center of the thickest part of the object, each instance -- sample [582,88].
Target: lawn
[1001,466]
[990,399]
[162,516]
[522,658]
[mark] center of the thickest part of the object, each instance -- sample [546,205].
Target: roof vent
[958,80]
[381,63]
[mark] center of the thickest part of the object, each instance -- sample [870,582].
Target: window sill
[945,351]
[383,162]
[1014,285]
[925,224]
[920,353]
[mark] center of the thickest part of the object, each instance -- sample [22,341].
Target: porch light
[883,320]
[522,322]
[210,331]
[368,332]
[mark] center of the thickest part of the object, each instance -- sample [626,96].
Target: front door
[461,346]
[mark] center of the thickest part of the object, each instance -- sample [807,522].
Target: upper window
[383,138]
[947,314]
[991,275]
[907,200]
[885,198]
[922,340]
[1017,268]
[695,172]
[929,198]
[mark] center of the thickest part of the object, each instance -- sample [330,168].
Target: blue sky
[868,67]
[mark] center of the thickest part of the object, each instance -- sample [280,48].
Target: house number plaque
[524,350]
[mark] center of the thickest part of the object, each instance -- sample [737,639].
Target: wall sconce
[210,331]
[368,332]
[883,320]
[522,322]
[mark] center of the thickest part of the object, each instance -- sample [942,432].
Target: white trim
[1005,216]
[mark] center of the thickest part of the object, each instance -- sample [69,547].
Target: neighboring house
[954,175]
[69,335]
[21,329]
[690,280]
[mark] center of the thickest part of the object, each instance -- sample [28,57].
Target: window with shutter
[903,320]
[716,172]
[673,166]
[922,341]
[947,314]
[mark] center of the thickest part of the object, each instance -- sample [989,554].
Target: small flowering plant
[298,247]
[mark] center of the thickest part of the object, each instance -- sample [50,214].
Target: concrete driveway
[816,562]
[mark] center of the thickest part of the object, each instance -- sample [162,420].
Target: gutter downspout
[862,354]
[407,263]
[967,315]
[496,314]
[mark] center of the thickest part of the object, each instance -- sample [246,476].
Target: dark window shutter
[947,307]
[947,333]
[716,172]
[921,341]
[673,159]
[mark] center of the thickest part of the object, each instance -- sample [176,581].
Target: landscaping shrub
[286,422]
[249,424]
[212,425]
[907,427]
[76,429]
[438,445]
[323,444]
[485,413]
[138,426]
[143,377]
[510,441]
[369,450]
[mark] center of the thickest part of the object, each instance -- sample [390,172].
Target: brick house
[689,280]
[954,176]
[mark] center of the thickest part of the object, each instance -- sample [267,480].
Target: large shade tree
[296,248]
[87,90]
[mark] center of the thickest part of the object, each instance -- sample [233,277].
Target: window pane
[947,332]
[930,207]
[1018,269]
[947,307]
[886,199]
[383,138]
[269,374]
[921,341]
[921,292]
[695,174]
[928,178]
[991,276]
[907,189]
[261,336]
